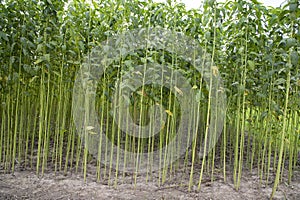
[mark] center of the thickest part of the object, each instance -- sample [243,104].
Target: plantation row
[255,49]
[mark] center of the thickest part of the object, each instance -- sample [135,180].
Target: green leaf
[64,47]
[73,62]
[4,36]
[47,57]
[293,7]
[291,42]
[251,64]
[128,63]
[294,58]
[39,48]
[38,61]
[279,81]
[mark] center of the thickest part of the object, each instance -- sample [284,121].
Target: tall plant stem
[288,81]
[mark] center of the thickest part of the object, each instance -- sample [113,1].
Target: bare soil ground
[25,184]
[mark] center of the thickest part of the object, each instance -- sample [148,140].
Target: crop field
[117,99]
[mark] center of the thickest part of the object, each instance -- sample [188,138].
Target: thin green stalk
[280,156]
[41,120]
[16,114]
[48,109]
